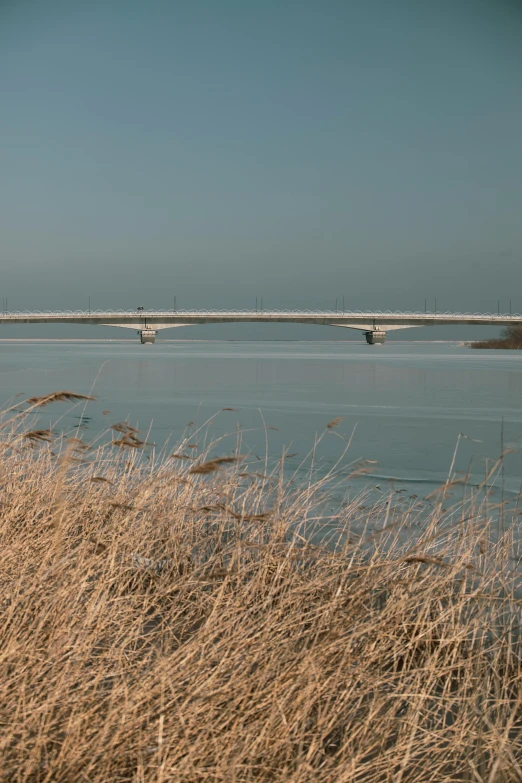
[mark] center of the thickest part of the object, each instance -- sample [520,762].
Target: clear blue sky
[296,150]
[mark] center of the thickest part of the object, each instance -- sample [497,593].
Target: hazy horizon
[295,151]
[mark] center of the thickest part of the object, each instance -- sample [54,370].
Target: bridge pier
[375,337]
[148,336]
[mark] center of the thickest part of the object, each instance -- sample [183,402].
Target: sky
[297,150]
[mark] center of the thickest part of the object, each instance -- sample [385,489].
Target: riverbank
[500,344]
[510,340]
[166,617]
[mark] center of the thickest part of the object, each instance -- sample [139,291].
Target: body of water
[403,405]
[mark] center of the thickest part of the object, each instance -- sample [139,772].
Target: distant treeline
[511,338]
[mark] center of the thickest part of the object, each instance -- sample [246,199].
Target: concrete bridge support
[147,336]
[375,337]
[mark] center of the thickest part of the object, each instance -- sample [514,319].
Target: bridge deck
[166,318]
[374,324]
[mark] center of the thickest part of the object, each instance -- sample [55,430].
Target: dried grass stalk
[176,634]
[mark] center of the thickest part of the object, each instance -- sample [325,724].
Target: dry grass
[163,625]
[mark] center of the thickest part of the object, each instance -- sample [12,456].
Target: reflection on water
[405,405]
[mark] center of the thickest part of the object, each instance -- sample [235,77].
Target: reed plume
[213,464]
[58,396]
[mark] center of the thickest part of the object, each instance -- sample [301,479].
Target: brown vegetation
[163,625]
[511,338]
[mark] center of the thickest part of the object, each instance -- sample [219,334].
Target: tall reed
[186,617]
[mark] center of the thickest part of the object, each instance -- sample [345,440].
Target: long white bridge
[374,325]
